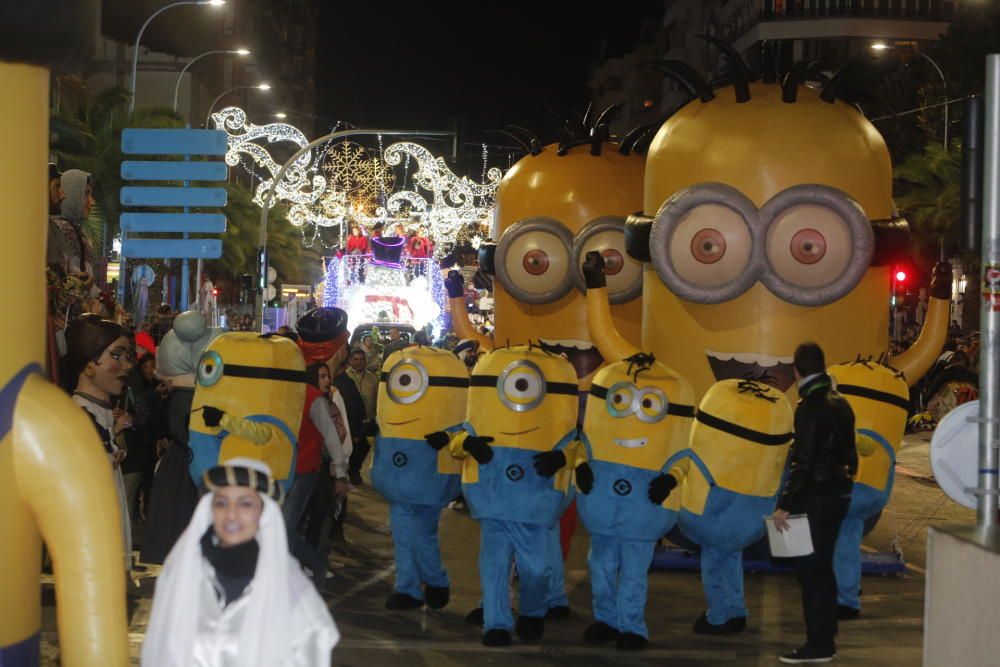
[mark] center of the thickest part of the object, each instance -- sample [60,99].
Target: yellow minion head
[742,433]
[249,376]
[638,413]
[555,205]
[423,389]
[523,396]
[768,221]
[880,399]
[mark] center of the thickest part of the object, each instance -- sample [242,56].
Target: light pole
[882,46]
[138,39]
[177,86]
[260,86]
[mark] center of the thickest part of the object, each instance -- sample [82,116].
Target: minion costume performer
[637,424]
[250,390]
[730,478]
[880,399]
[421,403]
[55,482]
[521,416]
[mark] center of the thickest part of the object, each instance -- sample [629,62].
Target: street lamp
[138,38]
[260,86]
[281,115]
[882,46]
[177,86]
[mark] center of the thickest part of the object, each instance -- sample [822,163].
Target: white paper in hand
[794,542]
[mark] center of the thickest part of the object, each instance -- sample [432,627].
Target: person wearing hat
[99,356]
[230,593]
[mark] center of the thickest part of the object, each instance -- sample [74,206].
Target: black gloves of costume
[660,488]
[212,416]
[479,448]
[549,463]
[584,478]
[371,429]
[454,284]
[593,270]
[941,281]
[438,440]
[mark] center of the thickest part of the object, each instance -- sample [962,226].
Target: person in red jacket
[357,243]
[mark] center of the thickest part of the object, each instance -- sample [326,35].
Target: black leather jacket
[823,458]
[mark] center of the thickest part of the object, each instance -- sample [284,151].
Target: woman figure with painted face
[230,593]
[100,357]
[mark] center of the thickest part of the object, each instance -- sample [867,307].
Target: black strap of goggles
[875,395]
[550,387]
[597,391]
[262,373]
[438,381]
[742,432]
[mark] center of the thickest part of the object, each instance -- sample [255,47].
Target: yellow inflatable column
[55,481]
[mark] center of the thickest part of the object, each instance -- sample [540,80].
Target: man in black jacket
[823,461]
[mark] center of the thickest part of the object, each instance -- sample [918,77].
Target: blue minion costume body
[731,478]
[520,425]
[421,402]
[637,423]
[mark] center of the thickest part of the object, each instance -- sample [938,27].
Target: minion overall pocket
[405,470]
[509,489]
[619,505]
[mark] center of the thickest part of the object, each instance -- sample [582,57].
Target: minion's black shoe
[731,627]
[402,602]
[437,597]
[600,633]
[530,628]
[629,641]
[496,637]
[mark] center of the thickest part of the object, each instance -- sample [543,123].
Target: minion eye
[407,381]
[521,386]
[607,236]
[533,260]
[209,368]
[621,399]
[653,405]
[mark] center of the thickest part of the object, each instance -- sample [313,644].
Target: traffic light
[900,275]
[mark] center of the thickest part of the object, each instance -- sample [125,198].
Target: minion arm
[456,446]
[57,470]
[460,314]
[609,342]
[258,433]
[917,360]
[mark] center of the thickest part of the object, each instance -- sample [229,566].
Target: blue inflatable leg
[847,562]
[556,596]
[531,554]
[722,579]
[495,551]
[633,585]
[401,519]
[427,549]
[603,560]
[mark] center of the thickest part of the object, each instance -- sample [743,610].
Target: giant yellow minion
[730,478]
[637,422]
[421,401]
[768,221]
[55,482]
[880,399]
[250,391]
[555,205]
[523,400]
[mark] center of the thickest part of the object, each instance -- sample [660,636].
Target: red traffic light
[215,291]
[900,276]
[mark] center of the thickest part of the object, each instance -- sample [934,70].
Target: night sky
[422,64]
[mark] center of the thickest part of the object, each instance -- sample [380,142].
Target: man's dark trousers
[815,572]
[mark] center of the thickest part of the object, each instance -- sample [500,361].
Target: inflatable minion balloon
[55,481]
[250,391]
[768,221]
[880,399]
[637,424]
[520,421]
[729,480]
[421,403]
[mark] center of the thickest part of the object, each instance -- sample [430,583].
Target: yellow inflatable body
[259,384]
[768,222]
[55,481]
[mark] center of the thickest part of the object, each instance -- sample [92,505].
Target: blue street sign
[173,248]
[189,223]
[174,171]
[147,196]
[174,142]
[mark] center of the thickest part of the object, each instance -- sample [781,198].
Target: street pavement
[890,631]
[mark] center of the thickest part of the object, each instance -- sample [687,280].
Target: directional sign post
[183,144]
